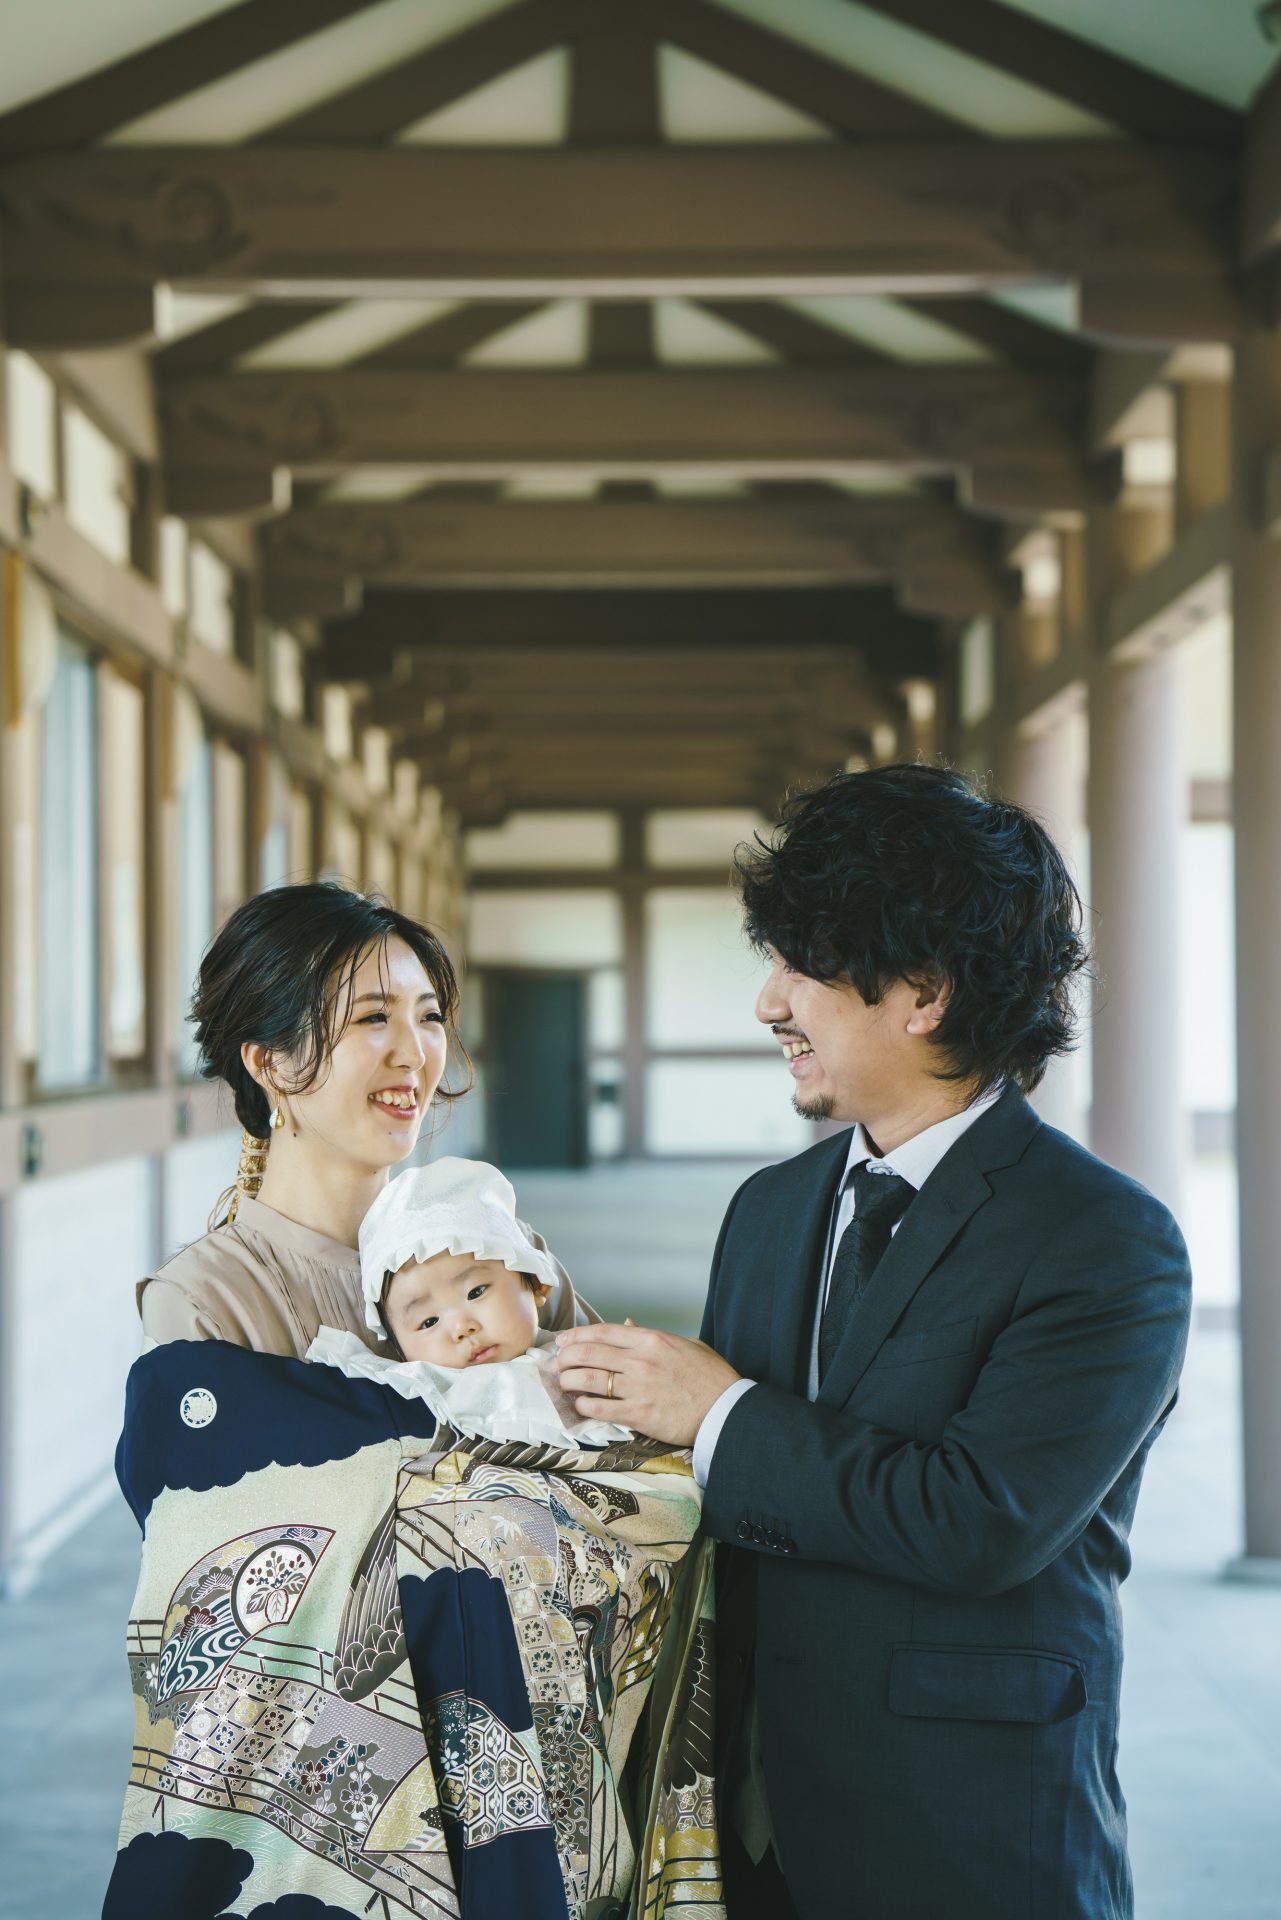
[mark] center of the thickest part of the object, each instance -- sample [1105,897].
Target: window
[380,867]
[195,835]
[978,672]
[287,689]
[404,785]
[68,1052]
[123,737]
[273,849]
[174,588]
[302,814]
[335,723]
[342,845]
[98,486]
[546,928]
[33,424]
[376,754]
[213,599]
[549,840]
[230,818]
[699,836]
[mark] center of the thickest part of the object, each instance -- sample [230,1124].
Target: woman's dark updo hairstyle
[907,873]
[280,974]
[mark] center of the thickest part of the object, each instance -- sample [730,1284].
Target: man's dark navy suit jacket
[925,1561]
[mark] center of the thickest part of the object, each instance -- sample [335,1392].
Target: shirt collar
[917,1158]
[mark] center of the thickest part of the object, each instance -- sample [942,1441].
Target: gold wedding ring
[609,1387]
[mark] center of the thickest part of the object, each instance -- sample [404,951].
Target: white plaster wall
[80,1245]
[195,1173]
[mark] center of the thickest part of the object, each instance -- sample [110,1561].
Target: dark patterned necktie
[880,1201]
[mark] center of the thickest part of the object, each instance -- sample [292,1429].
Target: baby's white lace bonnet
[455,1206]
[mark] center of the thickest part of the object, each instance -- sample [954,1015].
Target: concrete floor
[1201,1729]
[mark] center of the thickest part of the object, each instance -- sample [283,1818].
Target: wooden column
[1136,806]
[632,859]
[1256,593]
[1046,775]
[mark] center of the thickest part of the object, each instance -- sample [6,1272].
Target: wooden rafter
[613,94]
[1022,341]
[223,341]
[86,110]
[376,109]
[848,102]
[1063,64]
[802,341]
[621,333]
[451,336]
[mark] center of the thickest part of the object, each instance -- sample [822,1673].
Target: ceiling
[500,310]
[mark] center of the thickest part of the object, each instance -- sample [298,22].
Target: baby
[454,1279]
[453,1284]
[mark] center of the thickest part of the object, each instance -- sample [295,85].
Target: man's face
[846,1059]
[457,1311]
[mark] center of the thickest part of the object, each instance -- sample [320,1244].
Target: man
[935,1353]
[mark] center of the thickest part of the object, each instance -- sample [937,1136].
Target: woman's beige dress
[267,1283]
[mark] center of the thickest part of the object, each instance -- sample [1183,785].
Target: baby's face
[457,1311]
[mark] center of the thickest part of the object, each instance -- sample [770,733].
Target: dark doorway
[536,1069]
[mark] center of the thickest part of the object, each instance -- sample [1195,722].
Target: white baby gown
[504,1400]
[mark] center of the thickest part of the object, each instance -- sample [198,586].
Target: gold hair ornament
[253,1164]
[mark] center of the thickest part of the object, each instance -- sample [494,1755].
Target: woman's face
[369,1100]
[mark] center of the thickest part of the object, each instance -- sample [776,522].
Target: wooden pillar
[1136,807]
[1203,442]
[1256,613]
[1045,774]
[635,1012]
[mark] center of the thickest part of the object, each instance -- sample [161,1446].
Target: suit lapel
[801,1245]
[955,1191]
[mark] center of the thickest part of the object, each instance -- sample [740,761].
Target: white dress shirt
[914,1162]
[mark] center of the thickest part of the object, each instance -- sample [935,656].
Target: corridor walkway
[1201,1725]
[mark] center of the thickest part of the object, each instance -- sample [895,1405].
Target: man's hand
[663,1385]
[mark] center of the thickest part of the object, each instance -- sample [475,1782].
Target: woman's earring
[277,1119]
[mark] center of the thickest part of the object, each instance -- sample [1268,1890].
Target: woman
[330,1016]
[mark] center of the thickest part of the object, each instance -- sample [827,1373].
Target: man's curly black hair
[908,873]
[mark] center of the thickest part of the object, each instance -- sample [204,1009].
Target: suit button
[758,1536]
[743,1530]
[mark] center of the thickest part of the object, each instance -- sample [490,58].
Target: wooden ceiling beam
[444,341]
[621,333]
[613,94]
[625,222]
[1022,341]
[1261,209]
[225,340]
[1070,67]
[376,109]
[548,747]
[848,102]
[59,318]
[690,639]
[801,341]
[492,424]
[418,541]
[110,97]
[418,706]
